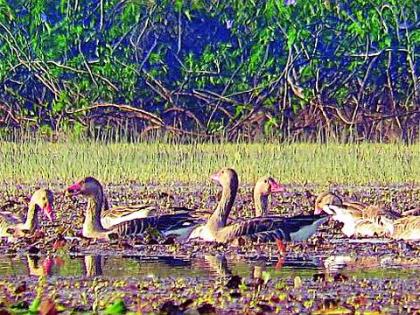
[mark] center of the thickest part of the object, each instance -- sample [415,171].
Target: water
[207,267]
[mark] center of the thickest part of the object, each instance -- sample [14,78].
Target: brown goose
[93,227]
[11,226]
[358,218]
[115,215]
[261,229]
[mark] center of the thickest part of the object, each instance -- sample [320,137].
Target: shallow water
[208,267]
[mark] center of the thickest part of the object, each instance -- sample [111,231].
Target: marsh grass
[38,160]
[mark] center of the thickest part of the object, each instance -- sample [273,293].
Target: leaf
[266,276]
[118,307]
[33,308]
[291,37]
[188,15]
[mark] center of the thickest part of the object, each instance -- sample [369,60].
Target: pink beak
[216,177]
[74,189]
[47,265]
[318,210]
[276,187]
[48,211]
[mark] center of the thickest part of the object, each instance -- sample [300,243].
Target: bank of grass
[35,161]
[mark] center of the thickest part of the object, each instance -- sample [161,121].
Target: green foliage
[68,55]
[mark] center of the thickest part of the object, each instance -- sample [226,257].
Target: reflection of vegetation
[315,67]
[13,266]
[296,163]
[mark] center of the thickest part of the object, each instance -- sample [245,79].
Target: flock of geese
[183,225]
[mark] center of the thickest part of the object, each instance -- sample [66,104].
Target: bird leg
[282,253]
[281,247]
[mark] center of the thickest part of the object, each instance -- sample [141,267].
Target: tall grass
[35,161]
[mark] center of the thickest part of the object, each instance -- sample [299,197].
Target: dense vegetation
[312,163]
[301,69]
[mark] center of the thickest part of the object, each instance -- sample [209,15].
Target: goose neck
[261,204]
[31,222]
[220,215]
[92,224]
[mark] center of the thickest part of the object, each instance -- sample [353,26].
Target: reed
[39,161]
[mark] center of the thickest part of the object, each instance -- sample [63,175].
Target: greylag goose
[262,229]
[115,215]
[266,186]
[358,218]
[11,226]
[93,227]
[406,228]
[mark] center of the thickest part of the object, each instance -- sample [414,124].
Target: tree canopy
[287,68]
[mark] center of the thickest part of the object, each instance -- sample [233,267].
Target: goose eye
[266,181]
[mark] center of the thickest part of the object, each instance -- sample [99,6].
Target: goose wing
[164,223]
[116,215]
[268,229]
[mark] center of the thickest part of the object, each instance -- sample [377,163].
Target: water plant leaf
[266,276]
[118,307]
[33,308]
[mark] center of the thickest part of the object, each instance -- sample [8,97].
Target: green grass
[36,161]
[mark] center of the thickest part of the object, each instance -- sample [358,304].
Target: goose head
[326,199]
[388,225]
[267,185]
[44,199]
[226,177]
[88,186]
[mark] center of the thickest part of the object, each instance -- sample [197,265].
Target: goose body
[358,218]
[406,228]
[13,226]
[176,225]
[368,225]
[269,229]
[369,228]
[127,225]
